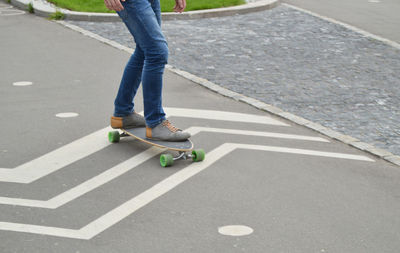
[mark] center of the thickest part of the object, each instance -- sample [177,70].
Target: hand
[114,5]
[180,5]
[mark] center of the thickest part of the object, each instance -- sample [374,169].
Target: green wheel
[113,136]
[166,160]
[198,155]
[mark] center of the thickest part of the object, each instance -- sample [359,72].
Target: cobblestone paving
[299,63]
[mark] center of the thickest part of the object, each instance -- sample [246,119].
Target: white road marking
[57,159]
[263,134]
[3,6]
[128,165]
[119,213]
[224,116]
[87,186]
[235,230]
[22,83]
[9,11]
[67,115]
[302,152]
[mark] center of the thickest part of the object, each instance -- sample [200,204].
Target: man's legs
[129,84]
[143,19]
[147,64]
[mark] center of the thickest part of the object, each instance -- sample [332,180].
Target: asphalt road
[379,17]
[64,188]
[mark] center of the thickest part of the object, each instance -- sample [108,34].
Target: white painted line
[3,6]
[235,230]
[87,186]
[262,134]
[22,83]
[57,159]
[224,116]
[43,230]
[302,152]
[128,165]
[14,13]
[353,28]
[7,11]
[67,115]
[121,212]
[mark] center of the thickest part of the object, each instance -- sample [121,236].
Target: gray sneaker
[131,121]
[165,131]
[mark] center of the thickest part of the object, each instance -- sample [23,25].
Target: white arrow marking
[59,158]
[258,133]
[10,12]
[126,166]
[119,213]
[224,116]
[87,186]
[2,6]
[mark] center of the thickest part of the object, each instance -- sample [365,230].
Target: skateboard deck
[140,134]
[185,148]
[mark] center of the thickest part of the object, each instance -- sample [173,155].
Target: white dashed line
[23,83]
[67,115]
[6,10]
[235,230]
[224,116]
[5,7]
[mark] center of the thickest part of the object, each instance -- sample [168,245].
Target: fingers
[114,4]
[107,3]
[184,5]
[117,5]
[180,5]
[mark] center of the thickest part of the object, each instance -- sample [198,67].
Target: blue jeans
[146,65]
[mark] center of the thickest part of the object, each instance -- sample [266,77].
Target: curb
[45,10]
[380,153]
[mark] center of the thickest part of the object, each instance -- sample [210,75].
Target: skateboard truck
[196,155]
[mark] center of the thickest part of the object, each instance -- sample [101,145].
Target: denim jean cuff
[121,114]
[156,123]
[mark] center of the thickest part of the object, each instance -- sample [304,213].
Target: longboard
[185,148]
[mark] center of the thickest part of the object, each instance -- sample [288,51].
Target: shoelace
[170,126]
